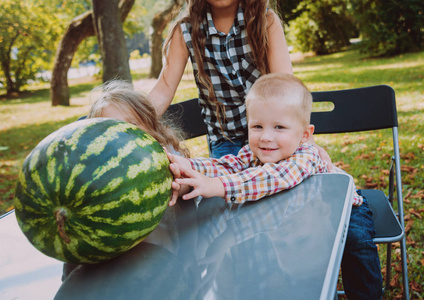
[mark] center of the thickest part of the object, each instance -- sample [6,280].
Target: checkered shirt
[245,178]
[228,64]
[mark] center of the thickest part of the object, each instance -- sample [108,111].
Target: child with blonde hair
[117,99]
[278,156]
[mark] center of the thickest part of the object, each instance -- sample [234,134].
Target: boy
[277,157]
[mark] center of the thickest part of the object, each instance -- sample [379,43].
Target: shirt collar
[237,27]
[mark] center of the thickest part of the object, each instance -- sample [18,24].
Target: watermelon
[92,190]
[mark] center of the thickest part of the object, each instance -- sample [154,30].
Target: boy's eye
[279,127]
[257,126]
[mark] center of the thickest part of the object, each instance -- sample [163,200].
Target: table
[286,246]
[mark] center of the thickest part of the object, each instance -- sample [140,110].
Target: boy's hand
[202,185]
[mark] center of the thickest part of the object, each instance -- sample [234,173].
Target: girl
[230,44]
[118,100]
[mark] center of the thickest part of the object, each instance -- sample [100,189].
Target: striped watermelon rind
[92,190]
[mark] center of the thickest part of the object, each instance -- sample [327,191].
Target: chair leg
[388,265]
[404,269]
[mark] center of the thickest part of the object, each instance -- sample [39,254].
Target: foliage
[286,9]
[321,26]
[24,48]
[390,27]
[29,31]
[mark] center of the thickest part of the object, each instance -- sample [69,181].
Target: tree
[286,9]
[390,27]
[110,36]
[159,23]
[322,26]
[24,48]
[79,29]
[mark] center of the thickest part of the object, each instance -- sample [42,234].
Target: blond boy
[278,155]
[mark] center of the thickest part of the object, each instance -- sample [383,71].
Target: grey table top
[286,246]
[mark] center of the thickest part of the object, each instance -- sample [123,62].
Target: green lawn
[28,119]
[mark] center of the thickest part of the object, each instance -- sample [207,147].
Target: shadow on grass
[43,95]
[21,140]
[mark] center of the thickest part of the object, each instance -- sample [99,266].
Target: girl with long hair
[230,43]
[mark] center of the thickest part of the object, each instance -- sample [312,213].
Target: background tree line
[33,32]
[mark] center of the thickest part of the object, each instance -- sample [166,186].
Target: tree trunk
[11,88]
[111,40]
[159,23]
[79,29]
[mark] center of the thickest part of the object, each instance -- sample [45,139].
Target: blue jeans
[224,147]
[361,271]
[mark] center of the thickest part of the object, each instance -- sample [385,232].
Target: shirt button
[233,198]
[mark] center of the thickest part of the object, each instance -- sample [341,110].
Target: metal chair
[365,109]
[187,115]
[361,109]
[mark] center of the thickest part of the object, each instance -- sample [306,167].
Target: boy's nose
[266,136]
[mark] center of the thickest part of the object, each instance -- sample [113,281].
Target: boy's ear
[307,134]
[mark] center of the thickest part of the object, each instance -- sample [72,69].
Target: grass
[27,120]
[356,152]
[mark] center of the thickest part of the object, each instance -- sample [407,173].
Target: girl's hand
[177,159]
[325,157]
[177,189]
[323,154]
[202,185]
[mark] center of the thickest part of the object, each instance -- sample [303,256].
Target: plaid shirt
[228,64]
[245,178]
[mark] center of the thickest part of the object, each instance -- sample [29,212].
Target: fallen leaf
[385,172]
[409,225]
[409,155]
[386,155]
[364,156]
[415,286]
[409,169]
[415,213]
[419,195]
[371,185]
[395,280]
